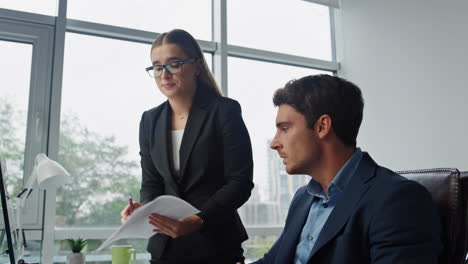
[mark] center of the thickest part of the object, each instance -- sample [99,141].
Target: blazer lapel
[192,130]
[345,206]
[161,148]
[193,127]
[293,229]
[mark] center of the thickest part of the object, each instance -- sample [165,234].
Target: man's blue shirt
[321,208]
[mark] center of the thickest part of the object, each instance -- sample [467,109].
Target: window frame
[40,36]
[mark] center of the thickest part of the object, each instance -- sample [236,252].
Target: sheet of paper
[137,225]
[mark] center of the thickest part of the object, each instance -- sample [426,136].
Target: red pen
[130,203]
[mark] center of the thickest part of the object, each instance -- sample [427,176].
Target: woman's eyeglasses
[172,67]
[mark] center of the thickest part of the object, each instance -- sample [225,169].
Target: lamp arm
[24,194]
[20,204]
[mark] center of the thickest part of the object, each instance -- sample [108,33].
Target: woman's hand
[127,211]
[175,228]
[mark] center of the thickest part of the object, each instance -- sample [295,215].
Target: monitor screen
[7,222]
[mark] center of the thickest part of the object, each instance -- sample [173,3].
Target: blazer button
[325,205]
[310,237]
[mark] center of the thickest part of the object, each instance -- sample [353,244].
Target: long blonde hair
[189,46]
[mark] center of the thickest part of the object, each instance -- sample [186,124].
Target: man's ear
[323,126]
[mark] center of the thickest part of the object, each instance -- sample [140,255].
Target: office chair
[464,230]
[449,192]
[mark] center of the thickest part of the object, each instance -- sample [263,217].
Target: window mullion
[54,130]
[219,25]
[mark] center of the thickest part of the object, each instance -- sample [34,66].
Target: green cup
[123,254]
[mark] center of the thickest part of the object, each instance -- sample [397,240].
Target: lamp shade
[49,173]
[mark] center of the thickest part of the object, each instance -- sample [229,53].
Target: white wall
[410,59]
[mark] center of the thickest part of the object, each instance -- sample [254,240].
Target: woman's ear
[199,66]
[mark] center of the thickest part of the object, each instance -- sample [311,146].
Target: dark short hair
[316,95]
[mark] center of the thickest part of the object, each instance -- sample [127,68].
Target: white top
[176,141]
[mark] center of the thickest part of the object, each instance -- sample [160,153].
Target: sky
[106,87]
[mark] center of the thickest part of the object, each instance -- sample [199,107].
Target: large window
[103,97]
[45,7]
[90,102]
[154,15]
[105,91]
[15,66]
[253,83]
[293,27]
[26,52]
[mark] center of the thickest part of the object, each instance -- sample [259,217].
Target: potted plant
[76,246]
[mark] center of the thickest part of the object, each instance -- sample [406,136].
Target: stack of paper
[137,225]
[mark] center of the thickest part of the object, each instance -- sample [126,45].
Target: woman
[194,146]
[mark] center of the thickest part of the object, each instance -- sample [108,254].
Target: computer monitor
[7,223]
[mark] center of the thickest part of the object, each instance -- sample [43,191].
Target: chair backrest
[447,190]
[464,230]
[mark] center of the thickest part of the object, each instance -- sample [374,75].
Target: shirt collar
[341,179]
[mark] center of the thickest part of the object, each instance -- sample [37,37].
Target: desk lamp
[49,175]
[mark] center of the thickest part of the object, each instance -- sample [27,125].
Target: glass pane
[15,67]
[154,16]
[257,246]
[294,27]
[252,83]
[105,91]
[44,7]
[254,248]
[104,256]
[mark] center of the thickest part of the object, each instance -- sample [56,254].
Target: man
[352,210]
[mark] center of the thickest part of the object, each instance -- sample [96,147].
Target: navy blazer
[381,218]
[215,175]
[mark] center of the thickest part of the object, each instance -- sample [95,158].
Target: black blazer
[381,218]
[215,175]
